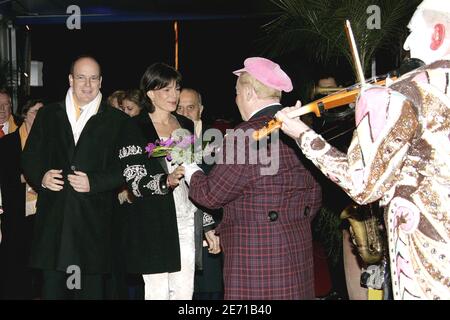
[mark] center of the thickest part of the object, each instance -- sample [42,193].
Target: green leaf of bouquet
[160,152]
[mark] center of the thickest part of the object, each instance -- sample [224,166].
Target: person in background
[115,99]
[125,286]
[336,126]
[131,102]
[19,199]
[208,281]
[8,123]
[190,106]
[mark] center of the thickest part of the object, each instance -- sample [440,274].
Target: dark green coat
[73,228]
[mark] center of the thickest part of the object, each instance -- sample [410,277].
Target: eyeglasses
[93,79]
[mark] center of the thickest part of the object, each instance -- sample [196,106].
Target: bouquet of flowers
[180,148]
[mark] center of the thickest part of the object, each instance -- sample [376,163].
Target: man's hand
[173,179]
[52,180]
[292,127]
[79,181]
[213,242]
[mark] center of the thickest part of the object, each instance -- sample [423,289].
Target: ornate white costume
[400,154]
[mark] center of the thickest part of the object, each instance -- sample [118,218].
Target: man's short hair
[262,91]
[199,96]
[5,91]
[84,56]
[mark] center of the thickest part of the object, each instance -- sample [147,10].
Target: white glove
[189,170]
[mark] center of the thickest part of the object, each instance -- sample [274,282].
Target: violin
[334,100]
[340,98]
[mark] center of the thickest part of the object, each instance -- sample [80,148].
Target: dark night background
[214,39]
[208,53]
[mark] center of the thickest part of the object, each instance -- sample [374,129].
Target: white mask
[420,38]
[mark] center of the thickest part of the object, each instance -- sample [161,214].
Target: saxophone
[365,232]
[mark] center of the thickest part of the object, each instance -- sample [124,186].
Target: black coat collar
[61,114]
[268,111]
[150,134]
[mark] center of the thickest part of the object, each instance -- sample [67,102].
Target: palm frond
[316,27]
[327,228]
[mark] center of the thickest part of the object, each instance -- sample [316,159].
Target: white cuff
[189,170]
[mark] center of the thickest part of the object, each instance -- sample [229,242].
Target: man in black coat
[208,281]
[71,160]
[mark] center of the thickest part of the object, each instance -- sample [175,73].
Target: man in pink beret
[269,198]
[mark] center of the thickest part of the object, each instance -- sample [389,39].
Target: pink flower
[186,142]
[166,143]
[150,147]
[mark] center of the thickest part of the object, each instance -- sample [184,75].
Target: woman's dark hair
[28,105]
[134,95]
[157,76]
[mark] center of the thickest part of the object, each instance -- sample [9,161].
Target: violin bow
[355,54]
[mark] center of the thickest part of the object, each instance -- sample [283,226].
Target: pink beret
[268,72]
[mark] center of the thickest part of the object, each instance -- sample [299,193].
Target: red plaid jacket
[265,231]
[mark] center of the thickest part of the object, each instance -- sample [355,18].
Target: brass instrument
[325,90]
[365,232]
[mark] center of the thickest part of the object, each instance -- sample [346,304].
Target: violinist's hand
[173,179]
[292,127]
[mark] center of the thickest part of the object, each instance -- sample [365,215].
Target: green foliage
[327,227]
[316,28]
